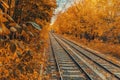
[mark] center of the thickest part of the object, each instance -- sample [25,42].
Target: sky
[62,6]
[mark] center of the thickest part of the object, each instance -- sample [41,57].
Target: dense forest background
[92,19]
[95,21]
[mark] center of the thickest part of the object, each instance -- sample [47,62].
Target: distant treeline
[91,19]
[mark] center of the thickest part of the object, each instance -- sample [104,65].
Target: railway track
[104,68]
[52,66]
[68,66]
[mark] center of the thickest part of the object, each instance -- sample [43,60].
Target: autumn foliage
[30,10]
[22,46]
[91,19]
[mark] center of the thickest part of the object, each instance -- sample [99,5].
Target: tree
[89,19]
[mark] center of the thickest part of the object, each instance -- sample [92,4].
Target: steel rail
[92,59]
[58,68]
[87,75]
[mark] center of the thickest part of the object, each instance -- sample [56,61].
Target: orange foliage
[91,19]
[22,48]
